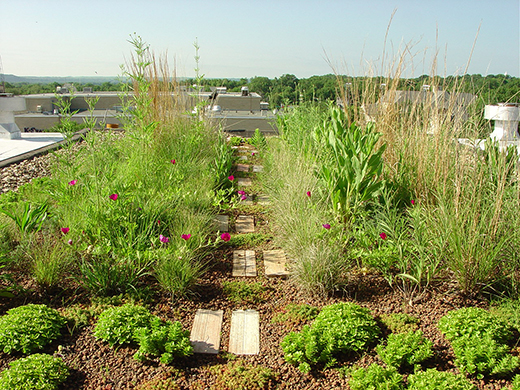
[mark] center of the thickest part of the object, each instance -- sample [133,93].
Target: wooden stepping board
[244,337]
[243,158]
[245,224]
[242,168]
[275,263]
[244,263]
[247,201]
[263,200]
[244,181]
[258,168]
[221,223]
[205,333]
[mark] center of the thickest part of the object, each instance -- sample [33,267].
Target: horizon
[247,40]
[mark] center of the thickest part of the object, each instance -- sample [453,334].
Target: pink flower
[243,197]
[326,226]
[172,161]
[252,154]
[383,235]
[164,239]
[114,196]
[225,237]
[72,182]
[241,192]
[158,222]
[186,237]
[69,242]
[65,230]
[309,194]
[412,202]
[231,177]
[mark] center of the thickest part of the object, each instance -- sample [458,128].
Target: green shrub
[35,372]
[118,325]
[29,328]
[239,291]
[515,384]
[400,322]
[339,328]
[164,339]
[375,377]
[432,379]
[240,376]
[405,349]
[479,340]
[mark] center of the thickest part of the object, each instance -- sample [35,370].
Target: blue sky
[262,38]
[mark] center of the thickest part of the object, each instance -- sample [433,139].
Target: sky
[246,38]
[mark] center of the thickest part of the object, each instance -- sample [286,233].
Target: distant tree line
[288,89]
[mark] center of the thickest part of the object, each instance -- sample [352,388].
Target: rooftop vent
[245,91]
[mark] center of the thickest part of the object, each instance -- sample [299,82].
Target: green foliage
[118,325]
[178,274]
[164,339]
[400,322]
[258,140]
[339,328]
[240,376]
[35,372]
[30,219]
[515,384]
[294,313]
[479,340]
[249,240]
[405,349]
[235,141]
[509,311]
[222,164]
[29,328]
[50,260]
[375,377]
[239,291]
[432,379]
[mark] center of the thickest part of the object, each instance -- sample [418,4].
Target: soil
[95,365]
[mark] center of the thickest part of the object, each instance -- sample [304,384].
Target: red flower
[172,161]
[185,237]
[412,202]
[309,194]
[225,237]
[114,196]
[231,177]
[383,235]
[65,230]
[326,226]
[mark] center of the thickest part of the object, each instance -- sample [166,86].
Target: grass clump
[375,377]
[243,292]
[432,379]
[479,340]
[405,349]
[400,322]
[35,372]
[339,328]
[29,328]
[237,375]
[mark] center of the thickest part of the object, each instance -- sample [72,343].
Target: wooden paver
[275,263]
[244,336]
[248,201]
[244,263]
[243,158]
[244,182]
[245,224]
[263,200]
[258,168]
[222,223]
[205,332]
[242,168]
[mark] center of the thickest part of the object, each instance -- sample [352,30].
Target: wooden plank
[248,201]
[275,263]
[245,224]
[205,332]
[242,168]
[244,336]
[258,168]
[263,200]
[242,158]
[221,223]
[244,263]
[244,182]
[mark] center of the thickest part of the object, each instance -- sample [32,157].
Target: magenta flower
[243,197]
[252,154]
[65,230]
[383,235]
[309,194]
[164,239]
[69,242]
[326,226]
[172,161]
[241,192]
[114,196]
[186,237]
[231,177]
[412,202]
[72,182]
[225,237]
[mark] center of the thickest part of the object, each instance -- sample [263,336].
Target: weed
[400,322]
[243,292]
[238,375]
[294,313]
[249,240]
[258,140]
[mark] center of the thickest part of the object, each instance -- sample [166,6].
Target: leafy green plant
[375,377]
[221,167]
[237,375]
[339,328]
[294,313]
[515,384]
[35,372]
[165,339]
[239,291]
[479,340]
[405,349]
[29,328]
[258,140]
[30,219]
[118,325]
[400,322]
[432,379]
[235,141]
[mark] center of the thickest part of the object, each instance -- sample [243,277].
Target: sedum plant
[29,328]
[405,349]
[432,379]
[375,377]
[339,328]
[35,372]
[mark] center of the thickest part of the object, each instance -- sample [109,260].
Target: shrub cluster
[438,380]
[29,328]
[375,377]
[339,328]
[405,349]
[479,340]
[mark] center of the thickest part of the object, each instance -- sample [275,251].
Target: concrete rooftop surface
[30,142]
